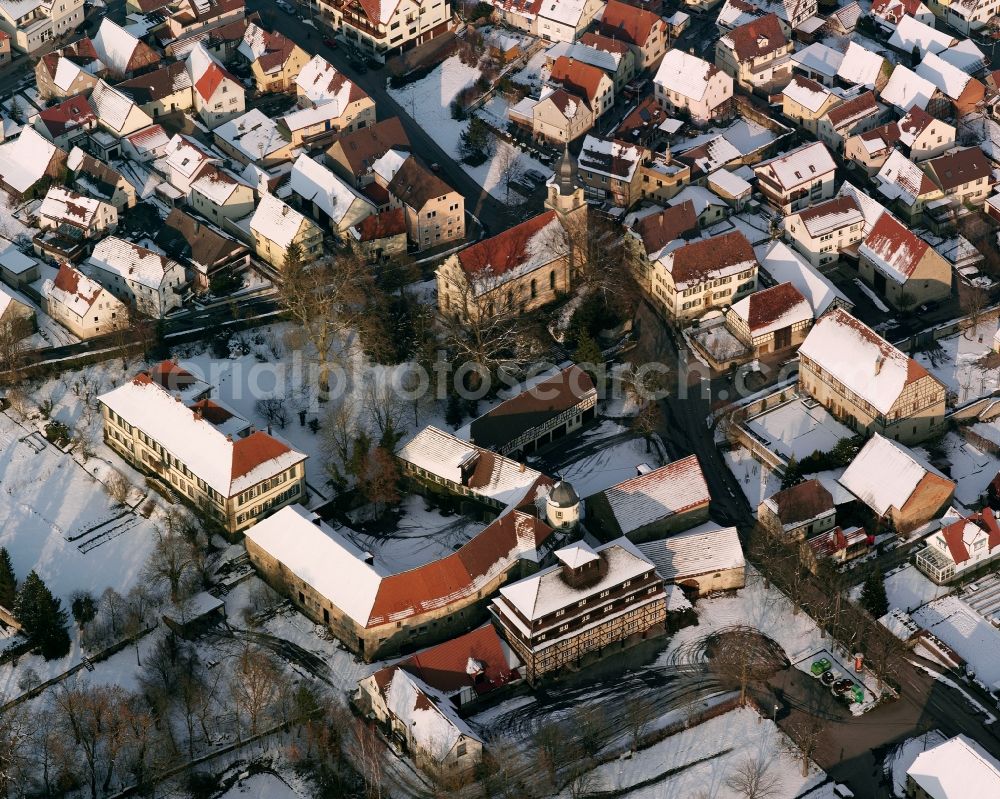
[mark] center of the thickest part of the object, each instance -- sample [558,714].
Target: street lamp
[774,713]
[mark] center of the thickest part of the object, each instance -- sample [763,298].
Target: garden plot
[969,634]
[959,362]
[701,760]
[757,481]
[428,101]
[797,430]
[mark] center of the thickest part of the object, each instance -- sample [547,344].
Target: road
[490,211]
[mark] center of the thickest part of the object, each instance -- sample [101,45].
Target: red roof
[452,578]
[769,305]
[605,43]
[695,261]
[756,38]
[836,540]
[172,376]
[68,280]
[379,226]
[855,109]
[67,115]
[659,229]
[581,79]
[954,533]
[895,244]
[211,411]
[802,502]
[254,450]
[958,168]
[628,22]
[505,251]
[210,80]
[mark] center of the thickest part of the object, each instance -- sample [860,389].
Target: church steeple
[566,173]
[565,194]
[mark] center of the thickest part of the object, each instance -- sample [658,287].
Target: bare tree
[384,408]
[118,487]
[368,753]
[273,410]
[94,717]
[12,345]
[806,733]
[752,780]
[510,166]
[741,656]
[16,728]
[255,685]
[170,562]
[113,606]
[973,301]
[638,713]
[340,427]
[648,421]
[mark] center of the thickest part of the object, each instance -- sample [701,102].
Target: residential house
[784,265]
[70,71]
[609,170]
[614,56]
[872,148]
[522,268]
[844,21]
[346,106]
[771,320]
[386,28]
[69,220]
[590,84]
[965,176]
[253,138]
[699,561]
[901,489]
[29,162]
[946,770]
[961,547]
[644,31]
[906,89]
[965,92]
[17,319]
[31,24]
[275,226]
[236,478]
[81,305]
[796,179]
[756,55]
[965,16]
[799,512]
[908,185]
[145,145]
[435,212]
[664,179]
[902,267]
[912,34]
[163,91]
[594,601]
[652,505]
[648,236]
[690,85]
[325,197]
[219,95]
[275,60]
[862,67]
[145,280]
[704,274]
[519,14]
[122,54]
[99,180]
[352,154]
[805,102]
[209,252]
[116,112]
[818,62]
[867,383]
[735,13]
[888,14]
[217,194]
[821,232]
[381,236]
[564,21]
[848,118]
[16,269]
[558,116]
[546,412]
[924,136]
[184,160]
[66,122]
[837,545]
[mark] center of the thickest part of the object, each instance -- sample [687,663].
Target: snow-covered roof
[956,769]
[694,553]
[113,108]
[12,259]
[114,45]
[602,59]
[685,74]
[819,58]
[699,196]
[546,592]
[186,155]
[800,166]
[772,309]
[276,221]
[860,359]
[73,290]
[610,157]
[218,185]
[871,208]
[901,179]
[565,12]
[132,262]
[254,134]
[320,81]
[67,71]
[63,205]
[254,43]
[498,478]
[429,716]
[830,215]
[515,252]
[228,465]
[315,183]
[884,474]
[964,55]
[731,184]
[906,89]
[23,161]
[387,165]
[860,66]
[786,266]
[949,79]
[807,93]
[675,488]
[911,32]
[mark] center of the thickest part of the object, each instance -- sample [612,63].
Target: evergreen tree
[293,257]
[8,581]
[589,356]
[42,618]
[453,413]
[873,596]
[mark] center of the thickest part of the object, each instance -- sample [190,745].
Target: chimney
[878,364]
[229,437]
[368,558]
[269,429]
[520,467]
[197,411]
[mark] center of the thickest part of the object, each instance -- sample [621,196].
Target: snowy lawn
[795,430]
[11,225]
[701,760]
[908,589]
[611,463]
[956,362]
[965,631]
[757,481]
[900,760]
[428,101]
[971,468]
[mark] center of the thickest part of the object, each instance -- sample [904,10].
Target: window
[552,280]
[460,750]
[534,288]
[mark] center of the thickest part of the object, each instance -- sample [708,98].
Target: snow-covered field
[757,481]
[908,589]
[428,101]
[795,430]
[965,631]
[704,758]
[955,364]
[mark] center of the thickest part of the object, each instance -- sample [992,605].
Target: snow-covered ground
[611,464]
[11,224]
[900,761]
[704,758]
[908,589]
[971,468]
[261,786]
[718,342]
[428,101]
[796,430]
[965,631]
[757,481]
[956,362]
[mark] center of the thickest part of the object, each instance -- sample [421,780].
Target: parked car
[330,42]
[358,65]
[435,167]
[820,666]
[535,175]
